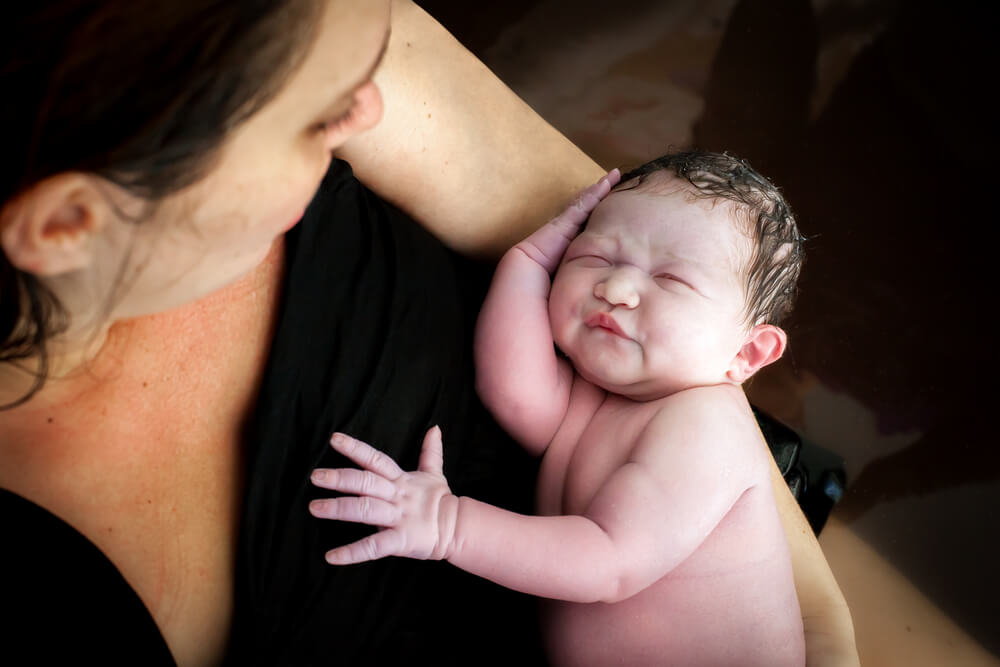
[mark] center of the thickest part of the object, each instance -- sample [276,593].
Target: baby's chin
[637,390]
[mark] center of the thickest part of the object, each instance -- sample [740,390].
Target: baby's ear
[764,344]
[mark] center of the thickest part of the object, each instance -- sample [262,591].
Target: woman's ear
[764,344]
[49,229]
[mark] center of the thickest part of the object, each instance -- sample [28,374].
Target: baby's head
[679,278]
[771,269]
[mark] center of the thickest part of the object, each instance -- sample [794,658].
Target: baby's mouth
[606,322]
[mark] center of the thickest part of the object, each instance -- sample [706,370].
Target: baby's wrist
[448,509]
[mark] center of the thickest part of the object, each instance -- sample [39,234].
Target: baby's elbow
[619,593]
[615,574]
[617,586]
[613,594]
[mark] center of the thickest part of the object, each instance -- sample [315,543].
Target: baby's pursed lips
[605,321]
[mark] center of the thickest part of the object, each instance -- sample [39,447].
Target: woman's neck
[85,355]
[74,354]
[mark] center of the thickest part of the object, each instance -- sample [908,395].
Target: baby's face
[648,299]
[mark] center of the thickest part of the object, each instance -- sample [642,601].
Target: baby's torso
[581,456]
[731,602]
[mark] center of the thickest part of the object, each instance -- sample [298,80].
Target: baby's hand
[548,244]
[416,511]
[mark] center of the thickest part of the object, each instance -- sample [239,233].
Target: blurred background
[871,115]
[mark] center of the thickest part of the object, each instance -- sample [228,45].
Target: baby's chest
[589,448]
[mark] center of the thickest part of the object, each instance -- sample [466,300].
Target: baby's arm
[647,518]
[518,375]
[643,522]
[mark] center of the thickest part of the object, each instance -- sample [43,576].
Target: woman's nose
[370,107]
[618,290]
[366,114]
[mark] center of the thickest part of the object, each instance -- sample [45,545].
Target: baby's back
[730,601]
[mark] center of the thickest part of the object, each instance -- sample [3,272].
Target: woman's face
[220,228]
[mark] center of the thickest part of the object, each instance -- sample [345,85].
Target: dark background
[871,116]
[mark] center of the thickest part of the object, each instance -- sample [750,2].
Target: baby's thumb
[432,453]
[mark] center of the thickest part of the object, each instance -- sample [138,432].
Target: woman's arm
[897,623]
[458,150]
[826,619]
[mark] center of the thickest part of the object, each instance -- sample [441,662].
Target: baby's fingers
[366,456]
[373,511]
[432,452]
[601,188]
[358,482]
[379,545]
[588,200]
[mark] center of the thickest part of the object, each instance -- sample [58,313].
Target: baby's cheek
[559,313]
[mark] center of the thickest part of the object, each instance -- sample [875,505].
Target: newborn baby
[657,539]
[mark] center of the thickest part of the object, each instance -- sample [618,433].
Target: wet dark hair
[143,94]
[771,272]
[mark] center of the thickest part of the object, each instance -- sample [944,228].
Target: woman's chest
[144,457]
[158,492]
[167,515]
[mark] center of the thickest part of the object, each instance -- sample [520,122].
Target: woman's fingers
[351,480]
[366,456]
[360,509]
[378,545]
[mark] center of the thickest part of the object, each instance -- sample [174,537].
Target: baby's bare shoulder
[708,409]
[713,423]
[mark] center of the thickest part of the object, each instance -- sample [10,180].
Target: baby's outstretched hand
[415,511]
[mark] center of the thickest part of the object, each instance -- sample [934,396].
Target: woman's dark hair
[143,94]
[772,271]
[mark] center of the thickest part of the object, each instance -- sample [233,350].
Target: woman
[198,355]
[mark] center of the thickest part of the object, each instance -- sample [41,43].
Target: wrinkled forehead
[665,183]
[665,208]
[661,196]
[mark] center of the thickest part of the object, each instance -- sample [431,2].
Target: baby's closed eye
[667,280]
[591,261]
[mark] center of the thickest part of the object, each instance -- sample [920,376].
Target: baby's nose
[618,290]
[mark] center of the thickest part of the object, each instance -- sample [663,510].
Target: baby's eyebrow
[589,239]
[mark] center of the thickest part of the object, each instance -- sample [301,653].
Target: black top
[373,339]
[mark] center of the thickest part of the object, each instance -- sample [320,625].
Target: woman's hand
[415,511]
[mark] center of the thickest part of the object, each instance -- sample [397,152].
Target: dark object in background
[815,476]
